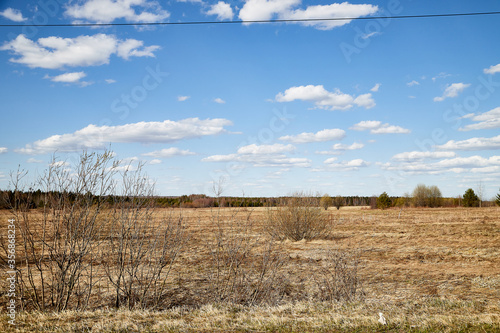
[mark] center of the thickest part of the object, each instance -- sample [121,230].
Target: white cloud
[183,98]
[222,10]
[321,136]
[98,137]
[472,144]
[3,150]
[263,156]
[492,69]
[106,11]
[169,152]
[324,99]
[377,127]
[486,120]
[266,149]
[352,165]
[413,83]
[219,100]
[422,155]
[257,10]
[57,52]
[376,87]
[339,148]
[69,77]
[34,160]
[155,161]
[109,81]
[441,75]
[332,11]
[452,91]
[13,15]
[474,164]
[371,34]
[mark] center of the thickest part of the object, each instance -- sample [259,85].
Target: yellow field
[424,269]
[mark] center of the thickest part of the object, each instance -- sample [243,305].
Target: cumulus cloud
[422,155]
[155,161]
[169,152]
[222,10]
[457,165]
[57,52]
[332,164]
[492,69]
[183,98]
[263,155]
[377,127]
[109,81]
[452,91]
[3,150]
[472,144]
[339,148]
[98,137]
[13,15]
[321,136]
[324,99]
[256,10]
[413,83]
[219,100]
[486,120]
[106,11]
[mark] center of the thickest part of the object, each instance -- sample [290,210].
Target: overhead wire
[250,21]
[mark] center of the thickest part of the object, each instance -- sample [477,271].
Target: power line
[252,21]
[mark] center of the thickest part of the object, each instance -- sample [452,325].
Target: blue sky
[341,107]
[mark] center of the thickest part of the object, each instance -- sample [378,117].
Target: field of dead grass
[426,270]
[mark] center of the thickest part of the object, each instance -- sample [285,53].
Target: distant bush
[326,201]
[470,199]
[338,202]
[424,196]
[298,218]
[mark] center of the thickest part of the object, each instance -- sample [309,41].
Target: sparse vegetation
[265,269]
[497,199]
[470,199]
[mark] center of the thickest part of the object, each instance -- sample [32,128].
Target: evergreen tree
[470,199]
[383,201]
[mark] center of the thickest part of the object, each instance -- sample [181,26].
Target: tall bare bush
[58,243]
[139,251]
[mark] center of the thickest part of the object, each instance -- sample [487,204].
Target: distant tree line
[422,196]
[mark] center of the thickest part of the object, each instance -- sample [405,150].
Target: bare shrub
[298,218]
[58,243]
[243,268]
[93,232]
[139,252]
[338,278]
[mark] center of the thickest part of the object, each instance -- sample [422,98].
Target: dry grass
[425,269]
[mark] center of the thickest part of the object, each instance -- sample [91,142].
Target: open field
[424,269]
